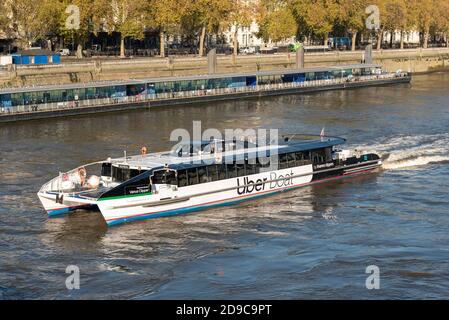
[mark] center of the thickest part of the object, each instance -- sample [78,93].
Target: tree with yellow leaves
[352,16]
[241,15]
[316,16]
[276,20]
[166,16]
[123,16]
[208,16]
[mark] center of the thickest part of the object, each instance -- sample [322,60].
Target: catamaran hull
[55,208]
[116,212]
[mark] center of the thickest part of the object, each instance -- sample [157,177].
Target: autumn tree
[241,15]
[123,16]
[275,19]
[21,24]
[442,20]
[352,16]
[396,18]
[317,16]
[78,31]
[208,17]
[4,20]
[48,19]
[165,15]
[425,13]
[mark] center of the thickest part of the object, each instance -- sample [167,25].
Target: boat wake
[411,151]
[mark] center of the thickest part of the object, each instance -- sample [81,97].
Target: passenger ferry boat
[200,175]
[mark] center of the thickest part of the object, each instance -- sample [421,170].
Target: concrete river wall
[73,71]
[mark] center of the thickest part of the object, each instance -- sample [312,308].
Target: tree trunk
[162,43]
[402,39]
[426,38]
[202,38]
[380,36]
[354,38]
[391,39]
[326,39]
[236,42]
[122,47]
[79,51]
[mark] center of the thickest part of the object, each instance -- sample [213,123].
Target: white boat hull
[194,198]
[54,207]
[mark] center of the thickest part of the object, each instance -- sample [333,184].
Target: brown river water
[315,242]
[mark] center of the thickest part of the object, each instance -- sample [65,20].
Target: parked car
[248,50]
[64,52]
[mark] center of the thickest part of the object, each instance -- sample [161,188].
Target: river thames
[311,243]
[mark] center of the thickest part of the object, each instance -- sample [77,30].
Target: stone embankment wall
[71,70]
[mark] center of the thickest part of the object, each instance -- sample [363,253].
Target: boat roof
[94,84]
[168,159]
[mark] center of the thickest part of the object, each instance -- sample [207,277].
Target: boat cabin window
[212,173]
[322,155]
[283,164]
[134,186]
[231,171]
[121,174]
[318,156]
[182,178]
[216,172]
[192,174]
[202,175]
[251,169]
[221,168]
[106,169]
[164,177]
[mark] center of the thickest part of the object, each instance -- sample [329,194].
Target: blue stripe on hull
[58,212]
[192,209]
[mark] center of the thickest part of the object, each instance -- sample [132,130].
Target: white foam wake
[411,151]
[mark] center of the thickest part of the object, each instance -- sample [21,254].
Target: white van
[64,52]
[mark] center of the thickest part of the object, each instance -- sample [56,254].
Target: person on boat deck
[143,151]
[82,174]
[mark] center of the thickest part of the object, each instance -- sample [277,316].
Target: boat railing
[147,97]
[56,184]
[311,138]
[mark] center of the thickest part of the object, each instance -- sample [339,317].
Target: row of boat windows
[117,91]
[119,174]
[204,174]
[215,172]
[37,97]
[218,172]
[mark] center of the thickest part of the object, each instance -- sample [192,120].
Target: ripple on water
[315,242]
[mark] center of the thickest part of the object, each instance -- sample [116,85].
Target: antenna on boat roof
[322,134]
[124,154]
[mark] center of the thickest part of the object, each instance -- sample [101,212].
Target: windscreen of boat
[165,177]
[139,184]
[123,173]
